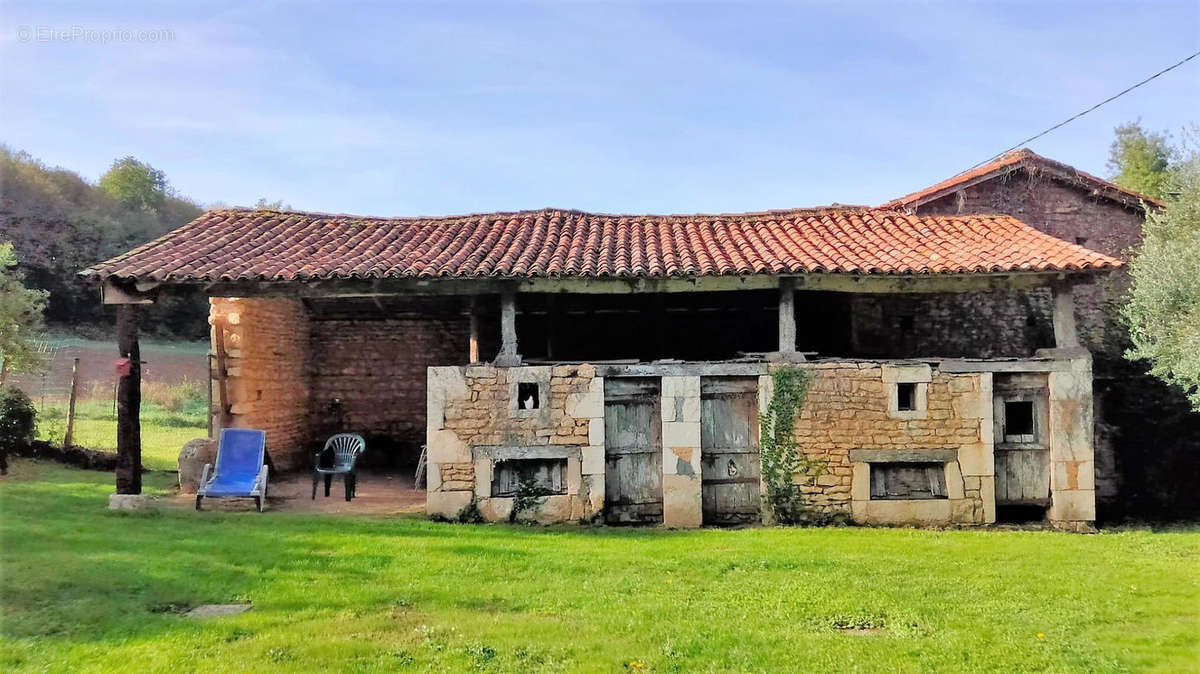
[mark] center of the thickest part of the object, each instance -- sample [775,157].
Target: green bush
[17,423]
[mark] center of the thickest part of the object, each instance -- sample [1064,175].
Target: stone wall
[1068,212]
[474,420]
[850,419]
[375,370]
[975,325]
[267,353]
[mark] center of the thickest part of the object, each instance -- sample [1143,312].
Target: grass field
[85,589]
[163,431]
[173,396]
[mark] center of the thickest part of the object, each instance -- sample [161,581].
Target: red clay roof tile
[1011,161]
[241,244]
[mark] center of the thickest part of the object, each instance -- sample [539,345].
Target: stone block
[192,458]
[128,501]
[1070,475]
[680,387]
[681,461]
[859,511]
[586,404]
[573,475]
[987,494]
[976,459]
[1073,505]
[954,481]
[594,486]
[495,509]
[444,446]
[483,478]
[446,503]
[962,511]
[910,373]
[553,510]
[688,409]
[915,512]
[680,434]
[682,501]
[592,462]
[596,432]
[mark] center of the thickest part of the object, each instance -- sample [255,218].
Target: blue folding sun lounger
[240,471]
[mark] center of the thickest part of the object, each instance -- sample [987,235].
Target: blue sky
[663,107]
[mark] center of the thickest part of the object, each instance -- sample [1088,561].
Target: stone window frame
[937,489]
[920,374]
[516,377]
[1041,416]
[863,460]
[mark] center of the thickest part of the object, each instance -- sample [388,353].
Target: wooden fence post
[68,438]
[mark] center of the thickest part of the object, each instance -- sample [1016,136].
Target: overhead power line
[1081,114]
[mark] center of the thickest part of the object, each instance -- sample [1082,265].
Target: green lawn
[84,589]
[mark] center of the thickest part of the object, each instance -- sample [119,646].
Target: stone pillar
[590,405]
[682,505]
[1065,334]
[787,317]
[443,446]
[508,356]
[1072,459]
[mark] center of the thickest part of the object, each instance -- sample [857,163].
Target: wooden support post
[1065,333]
[3,371]
[68,438]
[508,356]
[223,413]
[787,316]
[208,387]
[129,404]
[473,348]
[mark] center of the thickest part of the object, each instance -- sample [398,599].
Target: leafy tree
[276,205]
[1163,312]
[135,184]
[59,224]
[20,314]
[1140,161]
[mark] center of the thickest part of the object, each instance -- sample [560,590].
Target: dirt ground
[377,494]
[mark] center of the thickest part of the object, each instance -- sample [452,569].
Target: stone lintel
[903,455]
[509,453]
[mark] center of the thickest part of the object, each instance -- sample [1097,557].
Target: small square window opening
[906,397]
[527,396]
[1018,421]
[907,323]
[1081,241]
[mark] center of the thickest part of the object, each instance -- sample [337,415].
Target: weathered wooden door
[1019,412]
[1022,476]
[632,451]
[730,472]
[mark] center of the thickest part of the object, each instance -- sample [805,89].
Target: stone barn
[618,364]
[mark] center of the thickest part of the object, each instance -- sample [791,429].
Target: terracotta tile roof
[1024,158]
[238,244]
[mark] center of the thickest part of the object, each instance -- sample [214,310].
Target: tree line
[59,223]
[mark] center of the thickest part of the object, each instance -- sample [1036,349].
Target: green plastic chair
[343,450]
